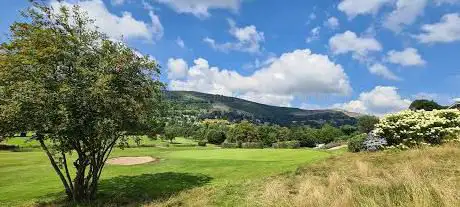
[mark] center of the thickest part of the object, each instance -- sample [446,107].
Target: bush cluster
[252,145]
[356,144]
[287,145]
[413,128]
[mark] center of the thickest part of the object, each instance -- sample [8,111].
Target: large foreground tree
[81,93]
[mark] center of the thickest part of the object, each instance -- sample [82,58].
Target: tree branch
[56,167]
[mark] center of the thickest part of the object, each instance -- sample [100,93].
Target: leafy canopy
[77,90]
[426,105]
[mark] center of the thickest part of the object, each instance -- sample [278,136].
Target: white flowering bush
[414,128]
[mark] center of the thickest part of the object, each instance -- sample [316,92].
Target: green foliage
[252,145]
[79,91]
[243,132]
[367,123]
[215,136]
[287,145]
[202,143]
[426,105]
[328,133]
[308,137]
[356,144]
[348,129]
[230,145]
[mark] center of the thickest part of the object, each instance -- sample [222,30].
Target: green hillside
[235,109]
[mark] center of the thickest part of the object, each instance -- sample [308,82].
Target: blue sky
[368,56]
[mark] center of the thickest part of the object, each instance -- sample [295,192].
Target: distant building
[455,106]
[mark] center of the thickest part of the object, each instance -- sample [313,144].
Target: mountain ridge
[236,109]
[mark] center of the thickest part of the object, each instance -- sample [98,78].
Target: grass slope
[26,178]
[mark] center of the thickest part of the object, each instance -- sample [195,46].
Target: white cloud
[180,42]
[354,8]
[349,42]
[296,73]
[200,8]
[427,96]
[269,99]
[406,13]
[381,100]
[248,39]
[117,27]
[447,30]
[177,68]
[314,34]
[407,57]
[381,70]
[117,2]
[456,99]
[332,23]
[439,2]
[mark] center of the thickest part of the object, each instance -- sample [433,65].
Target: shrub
[229,145]
[414,128]
[202,143]
[215,136]
[287,145]
[367,123]
[8,147]
[252,145]
[356,144]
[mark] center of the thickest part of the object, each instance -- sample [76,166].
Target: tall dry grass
[422,177]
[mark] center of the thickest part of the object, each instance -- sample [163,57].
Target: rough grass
[423,177]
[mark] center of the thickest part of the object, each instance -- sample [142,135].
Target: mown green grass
[26,178]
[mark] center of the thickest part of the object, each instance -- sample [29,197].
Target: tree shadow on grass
[135,190]
[125,190]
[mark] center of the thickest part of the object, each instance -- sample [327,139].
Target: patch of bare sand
[131,160]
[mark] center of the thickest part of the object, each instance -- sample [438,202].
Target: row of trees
[220,131]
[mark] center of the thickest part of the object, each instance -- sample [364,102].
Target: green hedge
[230,145]
[252,145]
[202,143]
[287,145]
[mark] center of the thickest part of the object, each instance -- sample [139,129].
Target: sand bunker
[131,160]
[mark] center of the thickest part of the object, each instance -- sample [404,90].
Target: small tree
[80,92]
[367,123]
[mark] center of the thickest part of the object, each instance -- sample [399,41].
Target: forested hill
[235,109]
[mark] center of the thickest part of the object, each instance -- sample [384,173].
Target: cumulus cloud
[332,23]
[354,8]
[248,39]
[116,26]
[177,68]
[200,8]
[407,57]
[349,42]
[447,30]
[383,71]
[379,101]
[296,73]
[406,13]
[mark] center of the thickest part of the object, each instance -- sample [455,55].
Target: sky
[366,56]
